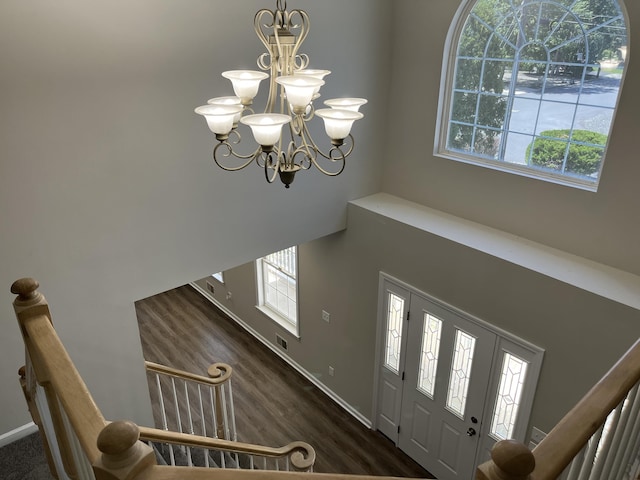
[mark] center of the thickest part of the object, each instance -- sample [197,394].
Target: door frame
[506,342]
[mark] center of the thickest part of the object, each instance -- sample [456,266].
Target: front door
[447,371]
[433,381]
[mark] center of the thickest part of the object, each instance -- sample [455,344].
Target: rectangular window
[278,289]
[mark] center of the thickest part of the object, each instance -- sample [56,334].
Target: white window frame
[448,77]
[219,277]
[287,321]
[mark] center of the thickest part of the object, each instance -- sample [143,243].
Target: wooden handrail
[219,373]
[54,369]
[163,472]
[556,451]
[302,455]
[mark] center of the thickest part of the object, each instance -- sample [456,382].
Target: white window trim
[219,276]
[444,106]
[285,323]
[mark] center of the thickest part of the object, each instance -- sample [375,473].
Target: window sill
[278,319]
[522,170]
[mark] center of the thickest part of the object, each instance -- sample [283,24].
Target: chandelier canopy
[292,90]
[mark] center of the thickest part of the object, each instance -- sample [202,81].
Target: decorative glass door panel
[393,335]
[432,330]
[512,380]
[460,373]
[395,321]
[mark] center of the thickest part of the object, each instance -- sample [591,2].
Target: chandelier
[292,89]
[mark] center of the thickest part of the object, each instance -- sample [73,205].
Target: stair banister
[34,318]
[556,451]
[86,445]
[218,383]
[301,455]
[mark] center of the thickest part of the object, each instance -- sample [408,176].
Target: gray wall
[108,193]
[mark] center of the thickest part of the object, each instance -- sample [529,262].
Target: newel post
[217,371]
[124,456]
[29,302]
[510,460]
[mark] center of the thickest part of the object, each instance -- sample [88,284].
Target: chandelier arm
[304,30]
[310,150]
[341,160]
[268,163]
[230,153]
[306,136]
[257,23]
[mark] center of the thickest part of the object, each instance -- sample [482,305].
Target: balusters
[623,434]
[204,426]
[163,410]
[232,413]
[608,453]
[211,400]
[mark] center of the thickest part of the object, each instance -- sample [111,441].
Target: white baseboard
[17,434]
[301,370]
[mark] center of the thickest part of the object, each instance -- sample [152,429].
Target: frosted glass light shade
[313,73]
[353,104]
[299,90]
[227,101]
[219,117]
[245,83]
[266,127]
[338,123]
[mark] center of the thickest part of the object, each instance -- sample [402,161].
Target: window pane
[395,320]
[429,356]
[464,107]
[505,413]
[460,372]
[279,283]
[468,77]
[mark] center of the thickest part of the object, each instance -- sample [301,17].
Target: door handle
[471,432]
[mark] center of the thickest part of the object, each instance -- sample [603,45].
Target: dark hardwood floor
[274,404]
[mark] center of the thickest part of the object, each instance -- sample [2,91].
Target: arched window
[531,86]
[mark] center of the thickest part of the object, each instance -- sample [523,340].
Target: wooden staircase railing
[296,456]
[618,389]
[80,443]
[195,404]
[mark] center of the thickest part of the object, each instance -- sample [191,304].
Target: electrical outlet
[210,287]
[536,436]
[326,316]
[282,342]
[331,371]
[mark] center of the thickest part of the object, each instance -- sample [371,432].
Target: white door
[395,305]
[447,372]
[432,384]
